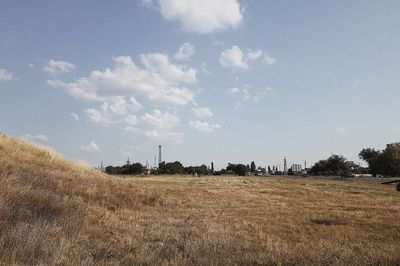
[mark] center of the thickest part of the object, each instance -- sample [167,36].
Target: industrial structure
[285,170]
[159,155]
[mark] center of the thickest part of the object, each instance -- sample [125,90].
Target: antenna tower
[159,155]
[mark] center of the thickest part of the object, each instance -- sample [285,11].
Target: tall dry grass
[53,211]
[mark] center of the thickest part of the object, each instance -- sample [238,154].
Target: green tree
[170,168]
[334,165]
[386,162]
[252,167]
[240,169]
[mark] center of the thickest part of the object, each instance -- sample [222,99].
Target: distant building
[352,166]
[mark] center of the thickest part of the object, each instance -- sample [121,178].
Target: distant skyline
[209,80]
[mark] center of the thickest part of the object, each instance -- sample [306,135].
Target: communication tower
[159,155]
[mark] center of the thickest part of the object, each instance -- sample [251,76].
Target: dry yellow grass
[53,211]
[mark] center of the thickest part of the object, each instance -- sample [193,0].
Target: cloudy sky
[209,80]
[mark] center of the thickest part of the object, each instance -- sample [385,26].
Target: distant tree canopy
[334,165]
[170,168]
[385,162]
[239,169]
[127,169]
[200,170]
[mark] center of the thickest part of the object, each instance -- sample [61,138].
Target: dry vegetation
[55,212]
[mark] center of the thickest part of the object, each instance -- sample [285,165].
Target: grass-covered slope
[55,212]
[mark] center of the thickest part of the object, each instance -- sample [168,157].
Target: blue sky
[212,80]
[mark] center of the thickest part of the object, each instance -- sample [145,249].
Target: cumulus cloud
[159,80]
[75,116]
[233,57]
[203,126]
[131,120]
[160,120]
[91,147]
[121,106]
[126,91]
[5,75]
[159,63]
[202,112]
[99,116]
[341,130]
[254,55]
[58,66]
[184,52]
[35,138]
[201,16]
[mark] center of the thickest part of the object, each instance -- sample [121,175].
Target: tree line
[380,163]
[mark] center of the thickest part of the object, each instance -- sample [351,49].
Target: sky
[209,80]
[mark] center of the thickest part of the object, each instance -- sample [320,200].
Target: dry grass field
[53,211]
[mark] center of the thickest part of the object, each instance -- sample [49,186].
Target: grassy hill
[53,211]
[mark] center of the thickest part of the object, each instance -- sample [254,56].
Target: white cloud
[254,55]
[185,52]
[160,81]
[124,90]
[91,147]
[172,96]
[35,138]
[120,106]
[131,120]
[248,94]
[160,120]
[203,126]
[233,57]
[58,66]
[201,16]
[268,59]
[75,116]
[101,116]
[164,135]
[5,75]
[397,128]
[159,63]
[202,112]
[31,65]
[341,130]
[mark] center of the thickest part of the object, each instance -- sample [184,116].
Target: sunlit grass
[53,211]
